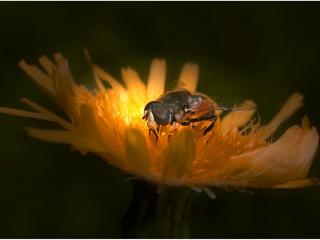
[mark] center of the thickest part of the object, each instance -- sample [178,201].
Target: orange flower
[107,122]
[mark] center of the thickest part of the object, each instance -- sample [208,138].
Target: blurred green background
[263,51]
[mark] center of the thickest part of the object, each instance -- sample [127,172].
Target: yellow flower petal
[135,88]
[136,149]
[46,64]
[79,142]
[156,82]
[189,77]
[179,154]
[237,118]
[292,104]
[53,117]
[116,86]
[289,158]
[41,79]
[62,79]
[88,122]
[132,80]
[299,183]
[65,88]
[22,113]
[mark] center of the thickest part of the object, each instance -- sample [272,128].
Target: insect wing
[205,105]
[245,106]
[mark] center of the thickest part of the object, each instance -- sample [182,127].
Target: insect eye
[149,105]
[161,113]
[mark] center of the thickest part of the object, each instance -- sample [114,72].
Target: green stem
[157,215]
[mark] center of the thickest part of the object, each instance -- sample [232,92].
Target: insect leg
[173,129]
[208,116]
[185,123]
[159,130]
[209,128]
[151,130]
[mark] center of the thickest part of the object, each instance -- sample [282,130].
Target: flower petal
[299,183]
[39,77]
[291,105]
[136,89]
[179,154]
[89,123]
[132,80]
[116,86]
[289,158]
[156,82]
[27,114]
[46,64]
[62,78]
[237,118]
[100,74]
[50,115]
[79,142]
[136,149]
[189,77]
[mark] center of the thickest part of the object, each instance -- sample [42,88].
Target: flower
[108,122]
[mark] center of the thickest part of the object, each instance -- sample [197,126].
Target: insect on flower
[182,107]
[236,150]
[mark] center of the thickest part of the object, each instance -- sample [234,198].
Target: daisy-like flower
[108,122]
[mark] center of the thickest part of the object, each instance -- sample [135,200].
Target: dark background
[263,51]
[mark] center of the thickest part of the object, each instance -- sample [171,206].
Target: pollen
[107,121]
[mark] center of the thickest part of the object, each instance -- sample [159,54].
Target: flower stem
[157,215]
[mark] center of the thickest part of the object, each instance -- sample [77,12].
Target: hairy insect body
[179,107]
[177,103]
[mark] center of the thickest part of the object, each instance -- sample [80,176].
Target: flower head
[108,122]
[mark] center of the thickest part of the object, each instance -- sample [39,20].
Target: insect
[182,107]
